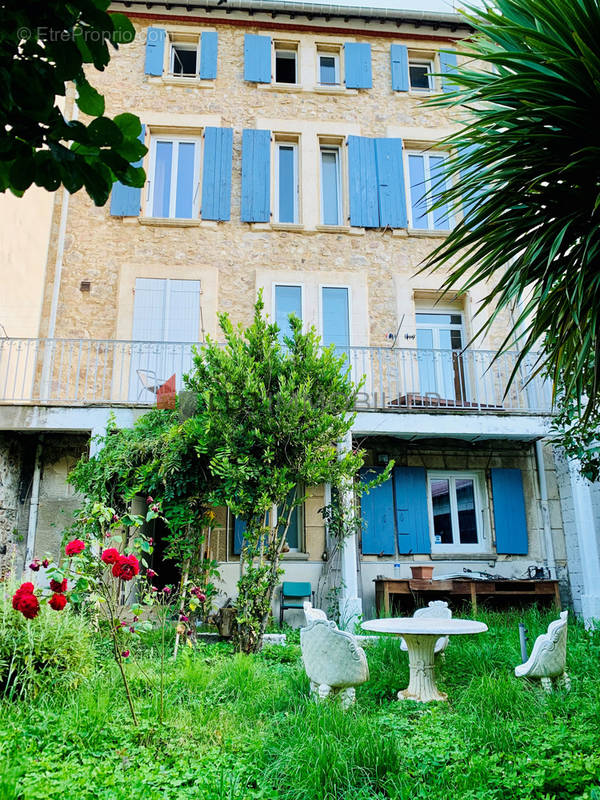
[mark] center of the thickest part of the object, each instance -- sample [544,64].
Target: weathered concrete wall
[13,504]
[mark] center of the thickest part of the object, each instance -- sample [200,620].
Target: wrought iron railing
[77,372]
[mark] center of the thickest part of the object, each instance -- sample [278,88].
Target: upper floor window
[328,67]
[426,174]
[331,185]
[184,59]
[174,177]
[287,300]
[455,510]
[286,63]
[421,75]
[286,181]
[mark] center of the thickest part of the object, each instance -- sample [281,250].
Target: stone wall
[228,257]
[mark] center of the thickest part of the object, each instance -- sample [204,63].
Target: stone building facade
[288,150]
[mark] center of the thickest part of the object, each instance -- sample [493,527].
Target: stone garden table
[420,635]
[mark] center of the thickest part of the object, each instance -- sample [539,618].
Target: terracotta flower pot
[420,573]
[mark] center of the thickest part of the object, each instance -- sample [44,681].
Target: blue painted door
[412,514]
[509,511]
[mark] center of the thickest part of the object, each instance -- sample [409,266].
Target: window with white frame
[174,177]
[426,177]
[456,510]
[287,299]
[331,185]
[328,65]
[286,181]
[286,63]
[420,73]
[184,57]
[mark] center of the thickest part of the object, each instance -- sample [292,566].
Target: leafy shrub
[53,651]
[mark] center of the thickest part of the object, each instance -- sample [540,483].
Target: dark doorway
[168,572]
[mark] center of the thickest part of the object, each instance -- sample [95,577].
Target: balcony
[89,372]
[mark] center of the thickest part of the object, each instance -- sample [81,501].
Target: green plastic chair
[293,595]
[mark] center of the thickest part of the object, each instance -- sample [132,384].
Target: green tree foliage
[525,172]
[44,46]
[270,416]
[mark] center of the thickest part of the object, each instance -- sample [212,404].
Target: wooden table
[420,635]
[465,588]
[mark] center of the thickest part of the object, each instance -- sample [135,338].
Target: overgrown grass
[243,728]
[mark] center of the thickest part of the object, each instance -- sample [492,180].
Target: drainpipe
[34,503]
[548,543]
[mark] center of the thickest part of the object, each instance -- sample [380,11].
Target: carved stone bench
[548,657]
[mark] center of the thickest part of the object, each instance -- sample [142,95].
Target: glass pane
[162,179]
[184,201]
[456,340]
[287,185]
[441,216]
[419,76]
[293,537]
[327,69]
[442,517]
[330,180]
[429,318]
[465,500]
[416,169]
[184,61]
[336,328]
[288,300]
[285,66]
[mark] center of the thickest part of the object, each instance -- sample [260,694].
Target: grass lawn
[241,727]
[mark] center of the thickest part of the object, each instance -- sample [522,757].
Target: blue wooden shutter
[256,175]
[448,64]
[257,58]
[412,513]
[209,44]
[377,515]
[216,174]
[155,51]
[357,58]
[362,173]
[126,201]
[239,529]
[509,511]
[390,183]
[399,59]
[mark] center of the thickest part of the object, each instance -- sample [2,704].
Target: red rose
[45,563]
[126,567]
[150,574]
[28,605]
[74,547]
[57,602]
[110,556]
[58,586]
[35,565]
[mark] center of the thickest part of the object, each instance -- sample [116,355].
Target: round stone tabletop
[424,626]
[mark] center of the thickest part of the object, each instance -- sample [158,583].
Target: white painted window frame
[285,47]
[350,318]
[336,57]
[279,143]
[340,210]
[185,46]
[301,286]
[150,184]
[430,218]
[481,510]
[422,62]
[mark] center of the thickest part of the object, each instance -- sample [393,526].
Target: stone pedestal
[421,655]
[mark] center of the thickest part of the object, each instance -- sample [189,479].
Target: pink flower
[35,565]
[183,618]
[155,508]
[74,547]
[115,518]
[150,574]
[110,555]
[149,500]
[167,590]
[131,629]
[45,563]
[125,653]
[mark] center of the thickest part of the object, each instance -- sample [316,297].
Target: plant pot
[420,573]
[226,621]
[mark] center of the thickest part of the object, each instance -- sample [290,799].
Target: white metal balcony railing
[76,372]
